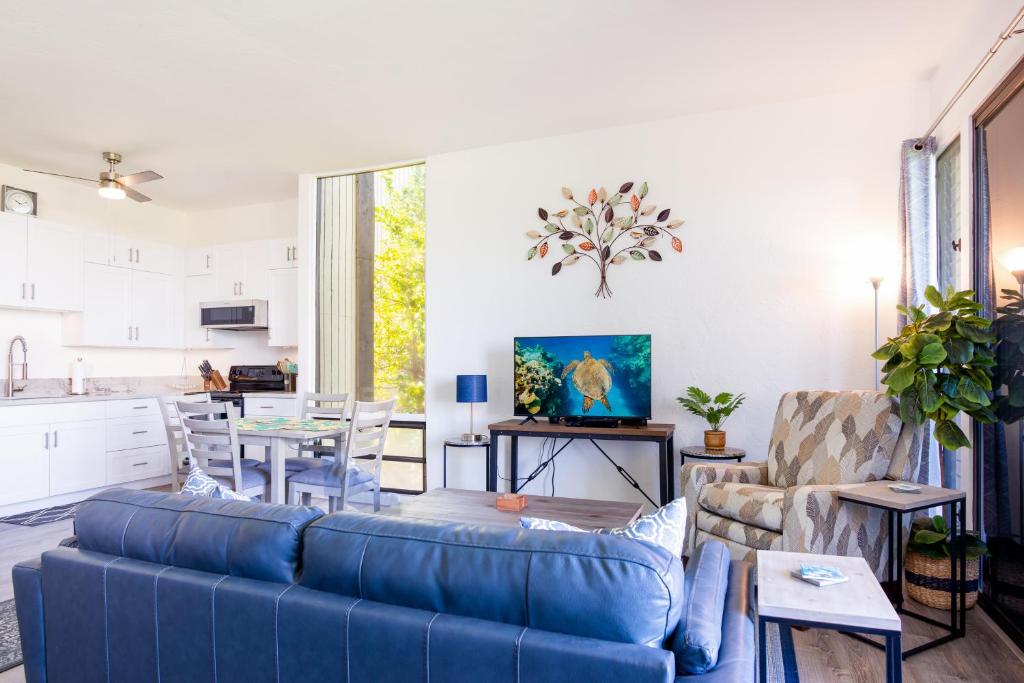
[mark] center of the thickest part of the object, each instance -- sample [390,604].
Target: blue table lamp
[471,389]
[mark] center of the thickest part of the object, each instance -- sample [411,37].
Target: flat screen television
[605,376]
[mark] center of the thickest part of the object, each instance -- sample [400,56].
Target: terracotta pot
[714,439]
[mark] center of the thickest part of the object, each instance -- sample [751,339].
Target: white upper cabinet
[282,316]
[284,253]
[152,299]
[128,252]
[54,267]
[14,238]
[40,264]
[201,260]
[242,271]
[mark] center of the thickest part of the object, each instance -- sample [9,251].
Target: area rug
[782,667]
[10,639]
[44,516]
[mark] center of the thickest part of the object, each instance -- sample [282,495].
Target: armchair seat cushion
[753,504]
[738,532]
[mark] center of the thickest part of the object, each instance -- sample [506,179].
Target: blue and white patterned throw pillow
[665,526]
[199,483]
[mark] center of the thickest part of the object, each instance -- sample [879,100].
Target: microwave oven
[249,314]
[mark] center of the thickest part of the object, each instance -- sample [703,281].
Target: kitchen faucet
[11,364]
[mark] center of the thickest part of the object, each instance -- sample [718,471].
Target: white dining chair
[356,473]
[210,436]
[318,406]
[176,445]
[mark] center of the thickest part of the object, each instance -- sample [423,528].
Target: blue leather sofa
[165,587]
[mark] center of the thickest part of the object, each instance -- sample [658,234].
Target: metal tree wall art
[604,233]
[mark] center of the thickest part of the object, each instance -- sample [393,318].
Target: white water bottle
[78,376]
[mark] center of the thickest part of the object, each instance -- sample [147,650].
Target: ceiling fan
[111,184]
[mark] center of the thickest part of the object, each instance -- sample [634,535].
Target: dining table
[280,438]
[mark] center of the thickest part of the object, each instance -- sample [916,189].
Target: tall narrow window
[370,302]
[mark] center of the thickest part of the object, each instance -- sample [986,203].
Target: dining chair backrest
[210,432]
[368,431]
[175,442]
[326,406]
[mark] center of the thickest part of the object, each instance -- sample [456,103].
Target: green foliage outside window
[399,292]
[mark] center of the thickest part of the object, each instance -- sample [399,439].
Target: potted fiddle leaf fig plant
[940,365]
[715,410]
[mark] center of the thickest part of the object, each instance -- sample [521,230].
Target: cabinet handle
[140,464]
[207,261]
[295,253]
[129,254]
[46,444]
[144,431]
[55,433]
[129,333]
[33,291]
[267,407]
[239,289]
[136,254]
[136,333]
[139,407]
[207,334]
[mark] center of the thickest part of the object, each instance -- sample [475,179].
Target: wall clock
[19,201]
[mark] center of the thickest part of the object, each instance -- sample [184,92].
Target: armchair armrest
[696,475]
[816,521]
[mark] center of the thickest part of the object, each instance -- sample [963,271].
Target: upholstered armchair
[822,441]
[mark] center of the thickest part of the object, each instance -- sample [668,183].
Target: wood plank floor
[984,655]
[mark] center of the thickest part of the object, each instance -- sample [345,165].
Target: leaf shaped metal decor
[595,232]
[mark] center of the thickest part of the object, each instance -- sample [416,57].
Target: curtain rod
[1010,31]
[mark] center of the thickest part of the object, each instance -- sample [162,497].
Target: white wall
[79,205]
[788,207]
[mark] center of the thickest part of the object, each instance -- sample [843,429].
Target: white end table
[857,606]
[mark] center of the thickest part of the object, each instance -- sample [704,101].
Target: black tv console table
[660,434]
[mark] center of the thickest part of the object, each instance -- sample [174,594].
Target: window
[370,301]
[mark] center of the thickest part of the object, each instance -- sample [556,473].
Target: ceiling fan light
[111,190]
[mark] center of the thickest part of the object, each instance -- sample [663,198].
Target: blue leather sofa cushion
[251,540]
[699,635]
[577,584]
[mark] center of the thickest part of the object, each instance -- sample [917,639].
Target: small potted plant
[715,410]
[927,564]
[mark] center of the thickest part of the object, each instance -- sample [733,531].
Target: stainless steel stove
[249,379]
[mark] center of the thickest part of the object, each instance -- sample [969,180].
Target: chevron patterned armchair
[822,441]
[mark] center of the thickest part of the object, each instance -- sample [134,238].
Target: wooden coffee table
[477,507]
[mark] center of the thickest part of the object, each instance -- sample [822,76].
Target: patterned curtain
[917,230]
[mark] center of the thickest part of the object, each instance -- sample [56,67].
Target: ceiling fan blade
[140,177]
[134,194]
[61,175]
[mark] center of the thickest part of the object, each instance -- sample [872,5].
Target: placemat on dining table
[266,424]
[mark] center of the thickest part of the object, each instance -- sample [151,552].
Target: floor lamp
[876,282]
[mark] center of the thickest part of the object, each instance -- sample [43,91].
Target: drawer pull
[144,431]
[142,407]
[139,464]
[267,407]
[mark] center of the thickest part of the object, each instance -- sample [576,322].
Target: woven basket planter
[928,580]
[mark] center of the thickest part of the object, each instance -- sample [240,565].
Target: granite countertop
[88,398]
[279,394]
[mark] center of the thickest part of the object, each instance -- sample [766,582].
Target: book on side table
[820,575]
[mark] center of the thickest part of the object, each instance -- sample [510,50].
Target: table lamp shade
[471,388]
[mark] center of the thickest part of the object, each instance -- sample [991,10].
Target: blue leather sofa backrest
[579,584]
[235,538]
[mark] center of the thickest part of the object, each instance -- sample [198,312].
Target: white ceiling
[230,100]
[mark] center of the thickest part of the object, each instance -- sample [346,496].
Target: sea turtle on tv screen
[592,377]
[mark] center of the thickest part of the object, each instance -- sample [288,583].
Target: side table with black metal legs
[712,454]
[459,443]
[877,494]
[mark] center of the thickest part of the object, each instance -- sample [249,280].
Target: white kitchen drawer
[48,413]
[127,433]
[141,463]
[270,405]
[140,407]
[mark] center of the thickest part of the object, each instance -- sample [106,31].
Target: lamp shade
[471,388]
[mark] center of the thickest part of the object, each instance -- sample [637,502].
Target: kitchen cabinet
[201,261]
[282,315]
[78,456]
[141,463]
[125,308]
[24,463]
[200,288]
[127,252]
[40,264]
[284,253]
[276,406]
[242,271]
